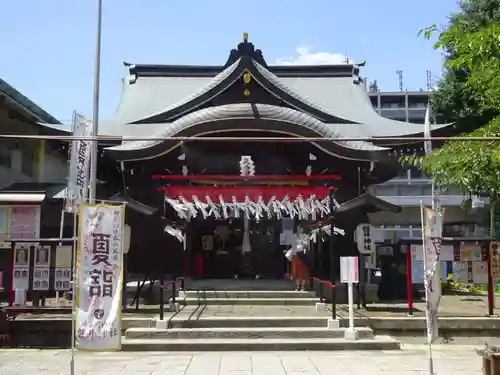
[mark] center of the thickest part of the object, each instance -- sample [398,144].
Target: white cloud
[305,56]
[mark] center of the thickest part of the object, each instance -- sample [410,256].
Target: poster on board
[447,253]
[417,272]
[62,279]
[480,272]
[63,266]
[461,272]
[41,271]
[24,222]
[417,253]
[470,253]
[21,271]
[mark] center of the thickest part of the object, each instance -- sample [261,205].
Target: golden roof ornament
[247,77]
[245,37]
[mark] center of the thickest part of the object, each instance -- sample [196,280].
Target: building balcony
[415,200]
[394,113]
[410,191]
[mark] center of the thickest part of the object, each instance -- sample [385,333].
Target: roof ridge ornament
[245,49]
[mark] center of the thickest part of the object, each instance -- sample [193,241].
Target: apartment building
[411,187]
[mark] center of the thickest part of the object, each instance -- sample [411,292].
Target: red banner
[241,192]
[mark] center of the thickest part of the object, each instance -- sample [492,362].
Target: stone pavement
[412,360]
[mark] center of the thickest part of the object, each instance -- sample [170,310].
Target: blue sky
[48,46]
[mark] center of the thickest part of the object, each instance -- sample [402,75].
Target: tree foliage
[453,101]
[473,166]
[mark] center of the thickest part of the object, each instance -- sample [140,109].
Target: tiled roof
[272,118]
[26,104]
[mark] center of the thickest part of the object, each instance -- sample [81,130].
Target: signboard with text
[99,277]
[349,270]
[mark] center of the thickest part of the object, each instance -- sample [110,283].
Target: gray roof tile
[244,111]
[149,96]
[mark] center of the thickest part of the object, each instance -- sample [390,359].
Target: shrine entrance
[237,231]
[218,249]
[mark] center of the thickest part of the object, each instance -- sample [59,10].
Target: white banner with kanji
[99,277]
[79,165]
[432,237]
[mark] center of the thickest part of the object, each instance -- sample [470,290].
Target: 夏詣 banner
[79,165]
[432,224]
[99,277]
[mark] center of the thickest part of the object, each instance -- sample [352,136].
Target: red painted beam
[241,192]
[315,177]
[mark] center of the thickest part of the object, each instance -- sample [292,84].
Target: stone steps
[304,301]
[260,344]
[243,333]
[248,321]
[239,284]
[259,294]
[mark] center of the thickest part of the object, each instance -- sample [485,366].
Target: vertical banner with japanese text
[99,277]
[432,237]
[79,165]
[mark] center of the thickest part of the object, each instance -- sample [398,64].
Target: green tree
[473,166]
[453,101]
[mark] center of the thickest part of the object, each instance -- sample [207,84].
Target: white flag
[427,131]
[432,225]
[79,166]
[99,277]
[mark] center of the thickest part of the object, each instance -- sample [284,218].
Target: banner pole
[73,296]
[427,281]
[61,226]
[95,118]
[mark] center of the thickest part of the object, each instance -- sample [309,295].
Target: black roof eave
[156,70]
[368,200]
[134,204]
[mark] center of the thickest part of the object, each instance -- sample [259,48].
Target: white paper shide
[99,278]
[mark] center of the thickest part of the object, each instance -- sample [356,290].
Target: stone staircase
[250,320]
[254,297]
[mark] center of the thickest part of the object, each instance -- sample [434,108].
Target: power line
[104,138]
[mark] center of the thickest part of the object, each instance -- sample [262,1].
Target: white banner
[79,166]
[432,236]
[99,277]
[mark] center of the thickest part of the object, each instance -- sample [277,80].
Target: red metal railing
[173,284]
[319,285]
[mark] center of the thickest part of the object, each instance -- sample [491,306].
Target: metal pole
[427,281]
[332,261]
[73,296]
[95,118]
[409,282]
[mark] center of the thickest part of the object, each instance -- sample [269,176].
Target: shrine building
[192,202]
